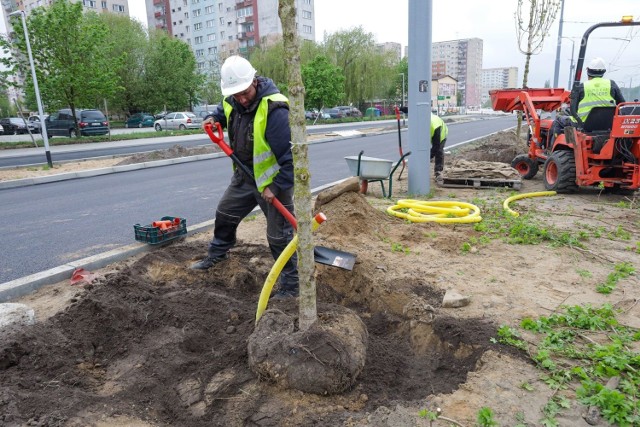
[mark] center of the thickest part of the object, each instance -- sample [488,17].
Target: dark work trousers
[437,151]
[239,199]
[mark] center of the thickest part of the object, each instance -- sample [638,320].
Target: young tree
[325,83]
[70,54]
[532,26]
[302,191]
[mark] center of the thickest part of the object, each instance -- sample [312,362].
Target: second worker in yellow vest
[439,133]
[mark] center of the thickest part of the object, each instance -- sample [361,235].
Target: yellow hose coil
[287,253]
[505,204]
[435,211]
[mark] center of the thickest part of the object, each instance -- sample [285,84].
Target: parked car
[310,114]
[181,120]
[349,111]
[140,120]
[34,123]
[1,130]
[90,122]
[335,113]
[14,125]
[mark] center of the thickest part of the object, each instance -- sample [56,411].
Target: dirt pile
[153,343]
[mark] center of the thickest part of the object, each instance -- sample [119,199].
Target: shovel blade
[334,258]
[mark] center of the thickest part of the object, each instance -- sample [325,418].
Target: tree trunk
[302,193]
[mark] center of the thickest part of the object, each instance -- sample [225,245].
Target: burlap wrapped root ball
[325,359]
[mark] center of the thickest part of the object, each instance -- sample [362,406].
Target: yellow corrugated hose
[505,204]
[435,211]
[287,253]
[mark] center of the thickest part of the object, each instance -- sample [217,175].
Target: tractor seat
[599,119]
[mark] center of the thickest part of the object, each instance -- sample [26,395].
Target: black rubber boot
[208,262]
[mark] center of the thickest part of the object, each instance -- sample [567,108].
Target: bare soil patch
[152,343]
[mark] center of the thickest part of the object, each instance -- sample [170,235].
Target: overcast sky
[493,22]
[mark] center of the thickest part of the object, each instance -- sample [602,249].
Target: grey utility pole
[556,73]
[43,129]
[419,90]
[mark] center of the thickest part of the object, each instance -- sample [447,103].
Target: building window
[210,23]
[211,37]
[118,8]
[221,20]
[199,52]
[198,40]
[197,12]
[208,9]
[307,1]
[245,11]
[306,29]
[213,50]
[186,15]
[195,1]
[220,7]
[306,14]
[89,3]
[200,65]
[103,4]
[197,26]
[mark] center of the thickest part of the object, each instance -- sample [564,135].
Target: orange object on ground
[163,225]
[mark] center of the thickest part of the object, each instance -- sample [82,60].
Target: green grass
[579,349]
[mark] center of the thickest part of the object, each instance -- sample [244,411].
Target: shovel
[321,254]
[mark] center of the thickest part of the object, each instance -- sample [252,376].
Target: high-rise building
[498,78]
[462,60]
[396,48]
[217,29]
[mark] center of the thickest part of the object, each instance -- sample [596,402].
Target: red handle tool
[218,138]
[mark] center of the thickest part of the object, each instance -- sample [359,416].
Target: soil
[151,343]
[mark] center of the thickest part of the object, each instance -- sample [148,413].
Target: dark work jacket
[277,134]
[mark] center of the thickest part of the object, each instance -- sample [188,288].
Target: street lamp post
[43,129]
[402,101]
[571,67]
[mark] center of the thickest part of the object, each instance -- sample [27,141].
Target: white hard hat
[596,67]
[236,75]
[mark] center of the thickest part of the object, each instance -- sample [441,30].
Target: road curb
[28,284]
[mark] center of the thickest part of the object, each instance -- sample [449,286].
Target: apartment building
[217,29]
[498,78]
[462,60]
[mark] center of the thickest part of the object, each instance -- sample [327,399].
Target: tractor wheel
[560,172]
[526,166]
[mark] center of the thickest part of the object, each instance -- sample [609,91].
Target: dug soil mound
[153,343]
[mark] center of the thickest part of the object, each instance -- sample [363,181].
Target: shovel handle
[218,138]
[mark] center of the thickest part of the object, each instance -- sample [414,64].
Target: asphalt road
[50,224]
[67,153]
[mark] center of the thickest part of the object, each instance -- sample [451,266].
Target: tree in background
[170,78]
[532,26]
[128,44]
[325,83]
[267,59]
[368,72]
[70,51]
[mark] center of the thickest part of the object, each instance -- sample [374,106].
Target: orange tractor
[602,151]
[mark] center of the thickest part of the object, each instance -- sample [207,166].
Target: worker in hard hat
[256,116]
[439,132]
[595,92]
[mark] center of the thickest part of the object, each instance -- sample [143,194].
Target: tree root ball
[325,359]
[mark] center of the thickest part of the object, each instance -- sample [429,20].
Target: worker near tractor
[256,116]
[439,132]
[595,92]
